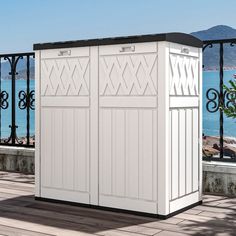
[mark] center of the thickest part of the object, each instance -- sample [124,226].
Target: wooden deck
[21,215]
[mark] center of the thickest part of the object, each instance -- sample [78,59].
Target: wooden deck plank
[15,231]
[14,191]
[43,225]
[204,228]
[170,233]
[120,233]
[48,215]
[17,186]
[140,229]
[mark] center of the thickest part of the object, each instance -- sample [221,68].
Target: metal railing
[17,102]
[218,99]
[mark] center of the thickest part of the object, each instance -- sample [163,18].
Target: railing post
[221,100]
[13,98]
[28,102]
[0,99]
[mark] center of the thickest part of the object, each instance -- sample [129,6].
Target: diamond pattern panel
[65,77]
[183,75]
[128,75]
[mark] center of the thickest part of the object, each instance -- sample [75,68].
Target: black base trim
[162,217]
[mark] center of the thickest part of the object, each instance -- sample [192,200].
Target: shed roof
[181,38]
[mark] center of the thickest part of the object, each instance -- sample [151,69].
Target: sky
[25,22]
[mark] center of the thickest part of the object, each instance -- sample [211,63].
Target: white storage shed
[118,122]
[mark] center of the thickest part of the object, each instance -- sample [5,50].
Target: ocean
[210,120]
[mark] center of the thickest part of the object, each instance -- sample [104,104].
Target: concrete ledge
[17,159]
[219,178]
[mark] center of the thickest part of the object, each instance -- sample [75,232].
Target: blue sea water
[211,120]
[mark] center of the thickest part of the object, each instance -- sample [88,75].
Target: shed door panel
[128,126]
[65,129]
[184,133]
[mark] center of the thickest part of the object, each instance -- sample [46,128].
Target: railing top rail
[17,54]
[218,41]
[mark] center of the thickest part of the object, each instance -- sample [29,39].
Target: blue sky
[24,22]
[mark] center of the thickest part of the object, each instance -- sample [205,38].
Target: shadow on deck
[20,214]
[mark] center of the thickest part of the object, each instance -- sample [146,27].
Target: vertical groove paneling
[46,139]
[52,147]
[57,148]
[188,151]
[141,147]
[154,155]
[118,174]
[80,150]
[112,148]
[132,155]
[182,158]
[65,155]
[128,149]
[170,155]
[88,153]
[93,127]
[105,152]
[68,149]
[184,151]
[195,149]
[145,155]
[125,147]
[175,154]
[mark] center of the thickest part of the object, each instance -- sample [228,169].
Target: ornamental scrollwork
[26,100]
[4,99]
[212,104]
[230,99]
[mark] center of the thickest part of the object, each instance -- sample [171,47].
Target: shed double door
[99,125]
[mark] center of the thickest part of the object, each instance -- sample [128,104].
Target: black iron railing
[17,99]
[218,99]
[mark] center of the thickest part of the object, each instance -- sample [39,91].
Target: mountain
[21,69]
[211,55]
[22,73]
[216,32]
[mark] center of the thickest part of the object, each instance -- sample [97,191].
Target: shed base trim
[162,217]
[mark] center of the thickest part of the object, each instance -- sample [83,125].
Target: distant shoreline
[6,79]
[214,69]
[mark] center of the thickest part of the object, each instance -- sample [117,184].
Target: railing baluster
[221,100]
[13,99]
[0,98]
[28,102]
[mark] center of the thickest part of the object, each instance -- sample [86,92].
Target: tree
[230,108]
